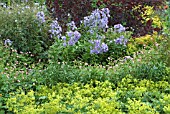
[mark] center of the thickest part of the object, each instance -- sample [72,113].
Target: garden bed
[97,65]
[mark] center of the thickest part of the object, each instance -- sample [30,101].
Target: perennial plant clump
[121,40]
[98,19]
[98,47]
[55,29]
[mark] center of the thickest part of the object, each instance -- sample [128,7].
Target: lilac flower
[104,47]
[70,33]
[72,25]
[74,37]
[41,17]
[121,40]
[98,47]
[55,29]
[27,7]
[63,38]
[125,42]
[98,19]
[7,42]
[119,28]
[106,11]
[64,44]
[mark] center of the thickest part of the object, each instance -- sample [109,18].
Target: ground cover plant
[58,61]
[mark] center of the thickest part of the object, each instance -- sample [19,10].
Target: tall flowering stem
[55,29]
[98,47]
[98,19]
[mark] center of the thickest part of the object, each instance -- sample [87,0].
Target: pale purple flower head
[55,29]
[121,40]
[119,28]
[98,47]
[72,25]
[7,42]
[104,47]
[41,17]
[98,19]
[74,37]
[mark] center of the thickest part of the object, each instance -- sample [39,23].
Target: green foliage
[166,28]
[63,72]
[145,64]
[20,25]
[14,72]
[76,81]
[81,50]
[129,96]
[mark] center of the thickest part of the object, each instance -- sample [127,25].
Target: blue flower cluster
[7,42]
[98,19]
[121,40]
[73,38]
[119,28]
[41,17]
[55,29]
[72,25]
[98,47]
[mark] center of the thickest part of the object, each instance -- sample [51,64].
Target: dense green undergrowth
[88,69]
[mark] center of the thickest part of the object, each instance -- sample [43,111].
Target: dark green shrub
[27,32]
[148,64]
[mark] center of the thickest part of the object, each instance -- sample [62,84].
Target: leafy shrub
[10,2]
[90,42]
[66,73]
[26,29]
[125,12]
[166,42]
[144,42]
[129,96]
[15,70]
[146,64]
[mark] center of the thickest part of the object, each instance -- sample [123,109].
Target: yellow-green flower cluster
[129,95]
[150,14]
[144,41]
